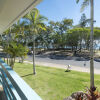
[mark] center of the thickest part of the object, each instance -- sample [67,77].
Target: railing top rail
[22,88]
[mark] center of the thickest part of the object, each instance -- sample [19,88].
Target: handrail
[14,86]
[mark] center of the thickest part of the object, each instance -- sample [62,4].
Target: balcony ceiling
[12,10]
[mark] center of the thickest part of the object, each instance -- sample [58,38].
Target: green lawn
[53,83]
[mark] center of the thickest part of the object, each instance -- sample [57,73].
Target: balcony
[13,87]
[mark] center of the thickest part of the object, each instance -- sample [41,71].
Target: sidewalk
[75,68]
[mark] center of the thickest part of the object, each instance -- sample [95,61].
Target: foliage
[57,84]
[35,20]
[15,50]
[84,4]
[83,21]
[90,94]
[53,35]
[35,24]
[93,95]
[58,33]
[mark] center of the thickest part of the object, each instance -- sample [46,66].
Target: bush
[90,94]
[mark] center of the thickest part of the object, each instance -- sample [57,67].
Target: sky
[57,10]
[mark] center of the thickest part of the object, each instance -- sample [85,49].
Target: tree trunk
[22,59]
[91,47]
[12,62]
[80,45]
[7,58]
[14,59]
[72,48]
[76,48]
[4,59]
[34,70]
[9,61]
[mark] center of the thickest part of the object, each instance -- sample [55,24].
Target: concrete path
[75,68]
[69,60]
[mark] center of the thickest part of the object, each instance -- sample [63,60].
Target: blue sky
[57,10]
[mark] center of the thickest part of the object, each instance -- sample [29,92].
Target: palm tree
[84,4]
[19,29]
[7,32]
[36,23]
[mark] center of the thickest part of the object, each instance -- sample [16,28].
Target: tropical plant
[15,50]
[73,38]
[83,21]
[84,4]
[59,32]
[35,23]
[92,95]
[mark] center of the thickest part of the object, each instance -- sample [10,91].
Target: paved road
[74,61]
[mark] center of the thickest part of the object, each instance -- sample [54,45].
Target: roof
[12,10]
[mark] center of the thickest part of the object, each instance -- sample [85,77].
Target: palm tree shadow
[27,75]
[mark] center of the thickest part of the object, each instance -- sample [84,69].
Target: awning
[12,10]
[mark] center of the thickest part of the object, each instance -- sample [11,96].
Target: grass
[53,83]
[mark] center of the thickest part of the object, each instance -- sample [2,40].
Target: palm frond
[84,4]
[42,18]
[77,1]
[35,13]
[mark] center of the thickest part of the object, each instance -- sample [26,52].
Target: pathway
[75,68]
